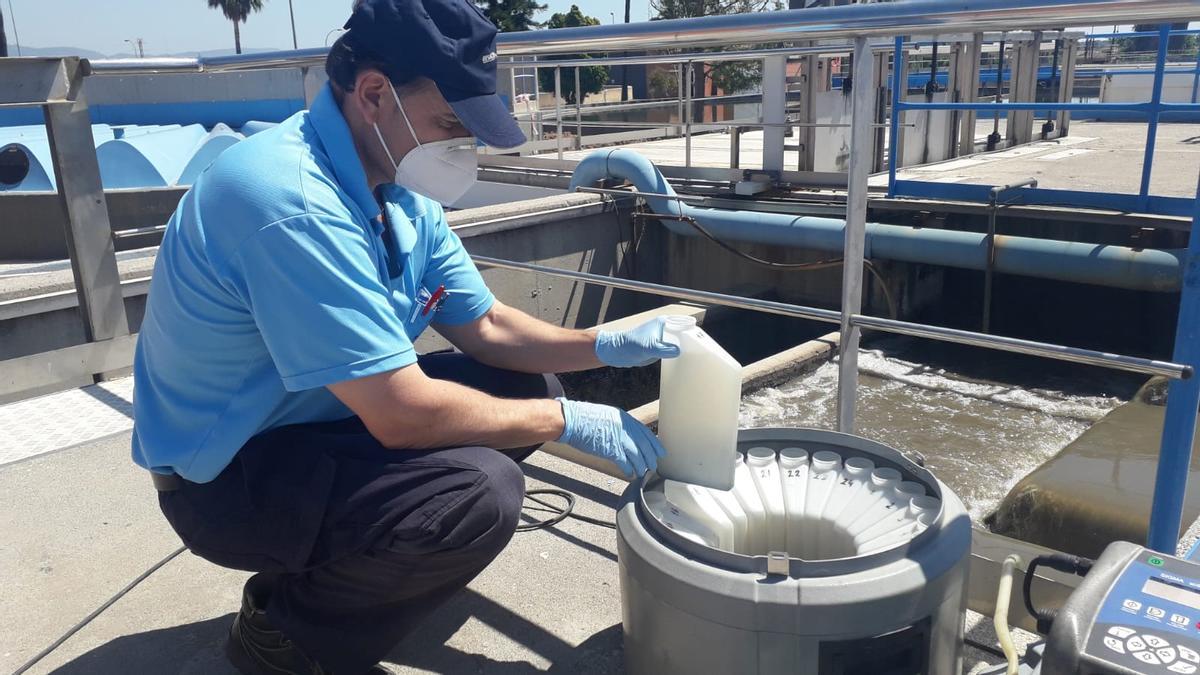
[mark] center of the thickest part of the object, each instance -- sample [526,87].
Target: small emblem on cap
[489,57]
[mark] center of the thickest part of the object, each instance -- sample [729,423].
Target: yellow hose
[1000,619]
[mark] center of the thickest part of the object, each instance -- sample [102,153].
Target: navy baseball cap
[452,43]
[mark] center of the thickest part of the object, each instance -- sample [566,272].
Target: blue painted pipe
[1102,265]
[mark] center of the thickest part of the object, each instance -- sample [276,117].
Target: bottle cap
[759,456]
[859,467]
[884,478]
[791,458]
[826,460]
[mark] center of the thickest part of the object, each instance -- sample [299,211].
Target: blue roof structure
[136,156]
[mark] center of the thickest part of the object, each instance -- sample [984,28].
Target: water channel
[981,420]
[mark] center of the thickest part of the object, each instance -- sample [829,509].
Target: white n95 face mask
[441,170]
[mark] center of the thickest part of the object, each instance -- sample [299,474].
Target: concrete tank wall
[591,236]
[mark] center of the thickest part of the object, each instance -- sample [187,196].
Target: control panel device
[1137,611]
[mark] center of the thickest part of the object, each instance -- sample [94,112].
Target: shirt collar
[331,127]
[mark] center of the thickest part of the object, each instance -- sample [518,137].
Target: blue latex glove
[610,433]
[639,346]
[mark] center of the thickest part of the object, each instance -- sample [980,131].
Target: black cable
[96,612]
[806,266]
[994,651]
[561,512]
[1062,562]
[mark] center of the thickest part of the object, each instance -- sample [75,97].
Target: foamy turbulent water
[980,438]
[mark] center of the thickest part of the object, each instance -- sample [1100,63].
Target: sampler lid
[831,450]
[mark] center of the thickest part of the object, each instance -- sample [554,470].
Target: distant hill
[54,51]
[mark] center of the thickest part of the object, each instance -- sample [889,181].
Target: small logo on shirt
[489,57]
[427,303]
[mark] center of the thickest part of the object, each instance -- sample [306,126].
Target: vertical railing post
[558,110]
[1183,396]
[1164,38]
[969,92]
[774,111]
[688,112]
[578,112]
[1196,77]
[894,130]
[680,98]
[88,232]
[861,135]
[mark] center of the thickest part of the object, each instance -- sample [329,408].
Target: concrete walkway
[82,522]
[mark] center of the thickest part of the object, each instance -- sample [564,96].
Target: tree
[511,15]
[3,39]
[1150,43]
[237,11]
[730,76]
[591,78]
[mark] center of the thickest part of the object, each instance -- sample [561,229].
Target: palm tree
[237,11]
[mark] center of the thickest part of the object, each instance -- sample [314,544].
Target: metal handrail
[873,20]
[883,19]
[1000,343]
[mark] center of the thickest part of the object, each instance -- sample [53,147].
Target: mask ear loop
[403,114]
[379,135]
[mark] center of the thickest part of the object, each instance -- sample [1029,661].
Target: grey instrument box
[1137,611]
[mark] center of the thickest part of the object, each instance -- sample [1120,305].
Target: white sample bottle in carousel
[746,494]
[728,502]
[765,470]
[824,471]
[699,394]
[897,514]
[678,521]
[855,474]
[699,503]
[793,475]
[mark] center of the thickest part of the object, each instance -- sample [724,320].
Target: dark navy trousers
[360,542]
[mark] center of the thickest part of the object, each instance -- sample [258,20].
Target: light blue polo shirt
[276,277]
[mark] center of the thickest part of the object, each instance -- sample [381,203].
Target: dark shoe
[257,648]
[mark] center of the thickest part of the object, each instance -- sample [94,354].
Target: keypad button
[1181,667]
[1135,644]
[1132,605]
[1156,612]
[1188,654]
[1167,654]
[1114,644]
[1180,619]
[1121,631]
[1147,657]
[1154,641]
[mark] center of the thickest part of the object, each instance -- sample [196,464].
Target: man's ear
[370,90]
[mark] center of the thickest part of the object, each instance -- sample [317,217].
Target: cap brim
[489,120]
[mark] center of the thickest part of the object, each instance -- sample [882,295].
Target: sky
[174,26]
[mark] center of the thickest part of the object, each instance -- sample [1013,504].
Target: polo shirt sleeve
[313,287]
[451,266]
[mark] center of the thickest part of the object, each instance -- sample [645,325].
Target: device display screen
[1183,596]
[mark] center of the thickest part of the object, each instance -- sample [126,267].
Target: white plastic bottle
[852,479]
[880,487]
[678,521]
[898,514]
[920,514]
[699,503]
[728,502]
[793,475]
[825,467]
[747,497]
[699,395]
[765,470]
